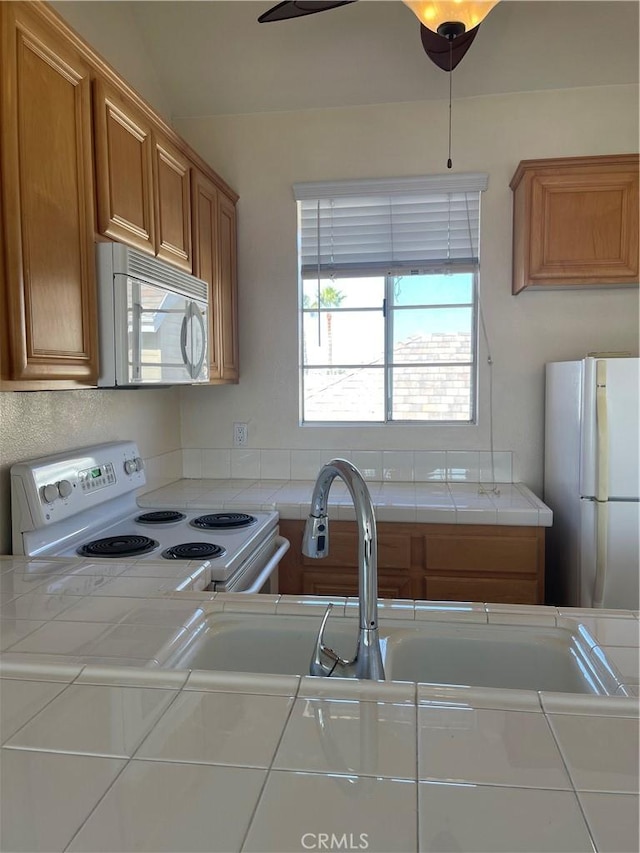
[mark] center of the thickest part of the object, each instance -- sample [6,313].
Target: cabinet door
[214,261]
[575,222]
[205,261]
[172,203]
[47,188]
[327,582]
[124,172]
[228,285]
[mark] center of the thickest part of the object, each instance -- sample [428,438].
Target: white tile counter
[431,502]
[104,750]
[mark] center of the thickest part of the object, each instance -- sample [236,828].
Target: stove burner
[161,516]
[118,546]
[223,520]
[193,551]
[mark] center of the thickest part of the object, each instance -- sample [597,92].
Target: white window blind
[379,224]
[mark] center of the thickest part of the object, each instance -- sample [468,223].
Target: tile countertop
[102,749]
[432,502]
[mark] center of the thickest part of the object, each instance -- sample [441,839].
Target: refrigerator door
[620,584]
[610,428]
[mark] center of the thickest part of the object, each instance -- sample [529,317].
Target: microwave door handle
[136,342]
[197,365]
[183,343]
[194,367]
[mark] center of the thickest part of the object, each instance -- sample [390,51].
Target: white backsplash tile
[305,464]
[245,464]
[216,463]
[501,472]
[429,465]
[369,463]
[463,465]
[192,463]
[398,465]
[275,464]
[420,466]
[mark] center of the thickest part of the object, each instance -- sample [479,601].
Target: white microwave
[153,321]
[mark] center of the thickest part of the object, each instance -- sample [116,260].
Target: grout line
[39,711]
[269,769]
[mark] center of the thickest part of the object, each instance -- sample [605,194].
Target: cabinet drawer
[346,583]
[394,552]
[486,554]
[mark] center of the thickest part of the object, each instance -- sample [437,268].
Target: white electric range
[82,503]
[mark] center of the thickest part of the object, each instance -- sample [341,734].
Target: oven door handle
[282,548]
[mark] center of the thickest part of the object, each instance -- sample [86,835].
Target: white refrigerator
[592,481]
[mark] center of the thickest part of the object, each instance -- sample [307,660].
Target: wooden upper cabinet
[228,283]
[575,222]
[214,261]
[47,202]
[204,220]
[172,179]
[124,169]
[142,180]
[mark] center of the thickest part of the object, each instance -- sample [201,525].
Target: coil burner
[160,516]
[118,546]
[223,521]
[193,551]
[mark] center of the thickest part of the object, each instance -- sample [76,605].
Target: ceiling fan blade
[437,47]
[298,8]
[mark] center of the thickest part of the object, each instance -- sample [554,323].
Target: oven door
[260,572]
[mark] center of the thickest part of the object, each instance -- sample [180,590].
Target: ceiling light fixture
[450,18]
[455,21]
[447,27]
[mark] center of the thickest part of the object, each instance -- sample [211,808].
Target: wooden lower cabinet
[443,562]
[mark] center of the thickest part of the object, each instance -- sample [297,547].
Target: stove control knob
[130,466]
[139,464]
[64,488]
[50,492]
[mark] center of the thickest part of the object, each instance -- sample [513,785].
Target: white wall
[112,30]
[43,422]
[262,155]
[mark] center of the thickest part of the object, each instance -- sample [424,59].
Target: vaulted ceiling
[212,57]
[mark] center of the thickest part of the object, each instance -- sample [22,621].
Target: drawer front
[346,583]
[394,552]
[486,554]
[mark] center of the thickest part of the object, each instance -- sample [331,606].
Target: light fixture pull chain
[449,163]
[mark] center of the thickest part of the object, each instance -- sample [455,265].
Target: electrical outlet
[240,435]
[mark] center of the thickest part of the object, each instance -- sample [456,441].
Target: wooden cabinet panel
[495,554]
[319,582]
[431,561]
[204,220]
[228,284]
[47,189]
[124,172]
[393,551]
[575,222]
[214,261]
[172,203]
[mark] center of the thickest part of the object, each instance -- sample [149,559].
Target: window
[388,299]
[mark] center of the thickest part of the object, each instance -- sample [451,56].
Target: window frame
[389,276]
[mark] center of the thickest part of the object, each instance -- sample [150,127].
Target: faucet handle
[317,667]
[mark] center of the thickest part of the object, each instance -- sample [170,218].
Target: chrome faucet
[367,661]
